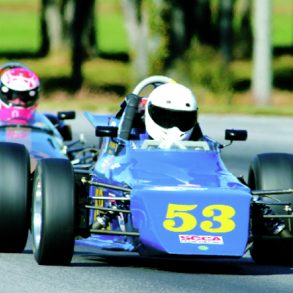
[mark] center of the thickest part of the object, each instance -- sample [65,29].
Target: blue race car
[24,141]
[144,197]
[43,134]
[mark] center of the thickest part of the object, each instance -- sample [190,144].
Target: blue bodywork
[183,200]
[38,134]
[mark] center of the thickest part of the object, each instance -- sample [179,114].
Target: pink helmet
[19,92]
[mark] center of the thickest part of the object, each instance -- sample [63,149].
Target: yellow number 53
[219,218]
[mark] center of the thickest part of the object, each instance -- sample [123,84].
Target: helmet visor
[168,118]
[28,98]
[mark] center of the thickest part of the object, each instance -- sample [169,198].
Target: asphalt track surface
[94,270]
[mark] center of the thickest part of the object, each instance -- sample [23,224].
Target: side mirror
[66,115]
[235,134]
[106,131]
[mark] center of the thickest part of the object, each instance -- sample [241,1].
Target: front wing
[192,221]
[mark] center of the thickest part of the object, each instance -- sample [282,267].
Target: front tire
[14,200]
[53,216]
[273,171]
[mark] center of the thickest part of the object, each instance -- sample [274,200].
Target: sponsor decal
[106,163]
[201,239]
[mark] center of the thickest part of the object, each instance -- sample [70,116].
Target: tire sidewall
[57,227]
[14,197]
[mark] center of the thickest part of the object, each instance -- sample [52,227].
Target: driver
[19,93]
[171,113]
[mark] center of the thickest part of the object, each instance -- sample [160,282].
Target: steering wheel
[132,105]
[153,81]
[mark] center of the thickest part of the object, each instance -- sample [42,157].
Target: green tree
[56,18]
[69,25]
[161,31]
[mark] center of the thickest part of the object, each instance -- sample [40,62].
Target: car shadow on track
[242,266]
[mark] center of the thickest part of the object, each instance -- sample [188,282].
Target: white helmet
[171,112]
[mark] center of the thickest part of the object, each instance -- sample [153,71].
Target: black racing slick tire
[271,171]
[14,197]
[53,212]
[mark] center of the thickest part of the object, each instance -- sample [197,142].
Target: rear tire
[53,212]
[273,171]
[14,201]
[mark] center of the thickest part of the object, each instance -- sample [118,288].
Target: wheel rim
[37,213]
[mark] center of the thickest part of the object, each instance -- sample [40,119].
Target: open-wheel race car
[26,137]
[157,199]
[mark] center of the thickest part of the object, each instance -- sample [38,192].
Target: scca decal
[201,239]
[219,218]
